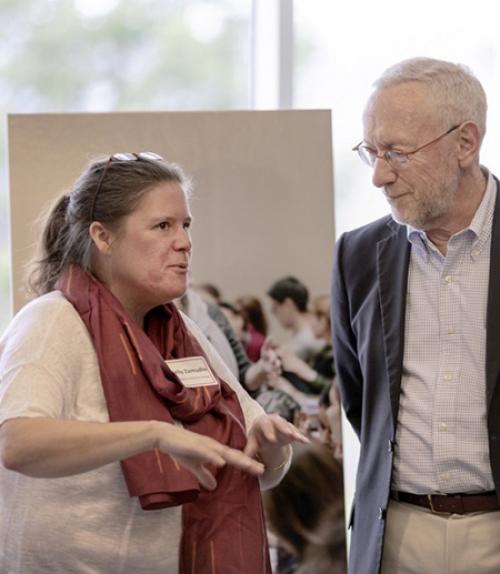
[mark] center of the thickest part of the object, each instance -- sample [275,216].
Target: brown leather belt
[451,503]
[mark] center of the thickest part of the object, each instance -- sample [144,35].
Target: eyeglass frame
[121,156]
[386,155]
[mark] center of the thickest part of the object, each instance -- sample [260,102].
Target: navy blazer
[369,288]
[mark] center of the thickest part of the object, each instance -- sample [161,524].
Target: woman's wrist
[275,459]
[279,466]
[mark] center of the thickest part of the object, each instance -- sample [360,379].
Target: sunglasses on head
[122,156]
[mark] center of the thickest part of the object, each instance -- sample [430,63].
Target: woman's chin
[172,292]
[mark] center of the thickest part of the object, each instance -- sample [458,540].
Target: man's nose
[383,173]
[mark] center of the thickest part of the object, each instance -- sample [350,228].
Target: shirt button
[443,427]
[447,377]
[475,253]
[448,278]
[451,330]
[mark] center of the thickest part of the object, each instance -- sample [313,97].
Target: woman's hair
[296,508]
[456,93]
[212,290]
[251,307]
[107,191]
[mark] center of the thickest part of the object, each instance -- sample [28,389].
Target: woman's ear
[102,237]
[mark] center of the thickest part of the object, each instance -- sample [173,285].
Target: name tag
[193,372]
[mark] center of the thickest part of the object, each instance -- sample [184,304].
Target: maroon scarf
[223,530]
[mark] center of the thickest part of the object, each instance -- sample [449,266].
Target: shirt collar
[483,218]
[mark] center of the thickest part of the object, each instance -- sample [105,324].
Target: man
[416,334]
[289,305]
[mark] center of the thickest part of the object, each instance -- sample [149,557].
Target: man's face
[422,193]
[282,312]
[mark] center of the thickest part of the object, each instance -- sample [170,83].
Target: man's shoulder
[375,230]
[366,237]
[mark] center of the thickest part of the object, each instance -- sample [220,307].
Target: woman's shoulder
[43,312]
[49,321]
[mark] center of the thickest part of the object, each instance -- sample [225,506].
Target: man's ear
[101,236]
[469,143]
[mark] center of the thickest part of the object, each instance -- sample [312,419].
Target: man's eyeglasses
[396,159]
[124,156]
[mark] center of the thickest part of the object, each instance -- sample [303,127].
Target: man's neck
[469,197]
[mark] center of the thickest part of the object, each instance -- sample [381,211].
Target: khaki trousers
[418,541]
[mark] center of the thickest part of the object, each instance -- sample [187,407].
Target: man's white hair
[454,90]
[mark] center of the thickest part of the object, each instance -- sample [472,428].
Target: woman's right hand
[52,448]
[194,451]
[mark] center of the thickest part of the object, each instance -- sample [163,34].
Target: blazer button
[390,446]
[381,513]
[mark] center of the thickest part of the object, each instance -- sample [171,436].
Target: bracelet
[275,468]
[280,465]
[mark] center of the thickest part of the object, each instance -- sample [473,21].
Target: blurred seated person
[289,300]
[316,374]
[208,291]
[235,318]
[306,513]
[112,457]
[326,552]
[255,327]
[197,309]
[330,420]
[277,398]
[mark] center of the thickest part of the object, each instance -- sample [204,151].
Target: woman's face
[319,324]
[148,259]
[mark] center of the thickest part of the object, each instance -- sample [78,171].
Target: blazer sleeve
[350,379]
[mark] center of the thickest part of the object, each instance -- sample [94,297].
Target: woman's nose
[183,240]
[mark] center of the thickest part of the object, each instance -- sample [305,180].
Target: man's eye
[370,152]
[163,225]
[395,155]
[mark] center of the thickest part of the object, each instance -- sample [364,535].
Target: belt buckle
[429,498]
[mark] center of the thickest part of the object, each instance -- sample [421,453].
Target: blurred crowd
[296,379]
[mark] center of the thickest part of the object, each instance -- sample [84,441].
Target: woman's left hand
[269,434]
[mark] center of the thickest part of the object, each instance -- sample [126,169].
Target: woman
[255,332]
[93,374]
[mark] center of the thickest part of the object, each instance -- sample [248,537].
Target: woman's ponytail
[52,254]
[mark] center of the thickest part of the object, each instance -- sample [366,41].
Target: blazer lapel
[393,256]
[493,319]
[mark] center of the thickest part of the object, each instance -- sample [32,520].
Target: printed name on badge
[193,372]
